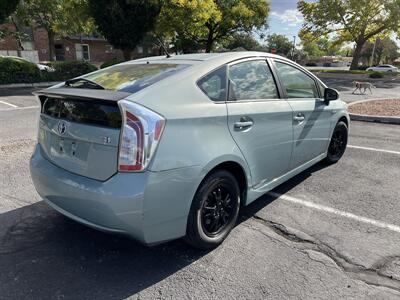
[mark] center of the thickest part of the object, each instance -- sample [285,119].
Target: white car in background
[41,67]
[383,68]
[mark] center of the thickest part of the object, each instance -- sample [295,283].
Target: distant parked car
[41,67]
[383,68]
[167,147]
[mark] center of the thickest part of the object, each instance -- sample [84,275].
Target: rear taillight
[140,134]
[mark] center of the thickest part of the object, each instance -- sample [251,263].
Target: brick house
[92,48]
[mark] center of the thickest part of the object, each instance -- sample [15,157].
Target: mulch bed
[389,108]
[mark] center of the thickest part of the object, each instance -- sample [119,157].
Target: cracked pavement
[279,249]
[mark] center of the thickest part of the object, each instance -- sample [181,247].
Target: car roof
[199,58]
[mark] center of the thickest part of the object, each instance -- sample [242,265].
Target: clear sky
[284,18]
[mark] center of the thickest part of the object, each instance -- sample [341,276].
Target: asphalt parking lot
[384,88]
[331,232]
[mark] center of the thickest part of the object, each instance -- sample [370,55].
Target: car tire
[214,210]
[338,143]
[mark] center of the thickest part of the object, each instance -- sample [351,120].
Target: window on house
[82,52]
[109,48]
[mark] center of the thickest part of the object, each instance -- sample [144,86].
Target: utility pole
[373,53]
[294,46]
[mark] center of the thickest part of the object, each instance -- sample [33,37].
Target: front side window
[214,84]
[296,83]
[251,80]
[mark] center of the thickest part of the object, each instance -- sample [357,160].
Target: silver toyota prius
[167,147]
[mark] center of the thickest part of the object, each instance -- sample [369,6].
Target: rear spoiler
[82,94]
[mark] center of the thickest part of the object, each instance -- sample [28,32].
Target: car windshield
[131,78]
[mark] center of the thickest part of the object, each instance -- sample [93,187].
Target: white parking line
[19,108]
[374,149]
[6,103]
[337,212]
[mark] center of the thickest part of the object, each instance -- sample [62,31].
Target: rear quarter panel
[196,131]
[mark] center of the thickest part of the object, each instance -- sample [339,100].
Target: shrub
[64,70]
[376,75]
[110,62]
[14,70]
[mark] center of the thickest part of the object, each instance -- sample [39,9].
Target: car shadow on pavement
[45,255]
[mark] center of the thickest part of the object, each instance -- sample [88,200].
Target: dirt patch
[389,108]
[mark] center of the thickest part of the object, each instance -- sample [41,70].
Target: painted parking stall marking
[19,108]
[337,212]
[9,104]
[374,149]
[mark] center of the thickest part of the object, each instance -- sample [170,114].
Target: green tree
[281,43]
[74,18]
[318,47]
[386,51]
[204,22]
[242,41]
[57,17]
[313,50]
[7,7]
[351,20]
[124,23]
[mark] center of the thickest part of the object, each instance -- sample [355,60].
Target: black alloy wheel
[214,210]
[338,143]
[217,210]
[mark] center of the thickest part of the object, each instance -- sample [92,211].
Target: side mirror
[330,95]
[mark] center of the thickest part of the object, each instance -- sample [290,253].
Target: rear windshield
[132,78]
[83,111]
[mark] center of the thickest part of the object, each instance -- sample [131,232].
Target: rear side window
[296,83]
[132,78]
[251,80]
[214,84]
[83,111]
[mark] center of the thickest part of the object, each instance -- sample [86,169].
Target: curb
[375,119]
[24,85]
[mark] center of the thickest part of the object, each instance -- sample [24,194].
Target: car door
[259,120]
[311,116]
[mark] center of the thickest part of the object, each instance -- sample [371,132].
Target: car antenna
[163,47]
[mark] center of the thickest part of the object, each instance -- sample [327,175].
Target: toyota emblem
[62,127]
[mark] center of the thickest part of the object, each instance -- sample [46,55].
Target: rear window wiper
[85,83]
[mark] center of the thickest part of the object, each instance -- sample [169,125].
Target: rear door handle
[241,125]
[299,118]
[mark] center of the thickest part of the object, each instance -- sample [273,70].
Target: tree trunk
[50,35]
[210,40]
[357,54]
[209,45]
[18,38]
[127,54]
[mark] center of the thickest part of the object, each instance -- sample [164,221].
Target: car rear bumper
[142,205]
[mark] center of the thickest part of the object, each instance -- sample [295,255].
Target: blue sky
[284,18]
